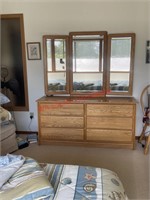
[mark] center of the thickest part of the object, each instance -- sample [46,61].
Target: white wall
[63,16]
[149,34]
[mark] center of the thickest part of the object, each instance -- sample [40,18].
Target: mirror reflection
[121,59]
[56,48]
[87,62]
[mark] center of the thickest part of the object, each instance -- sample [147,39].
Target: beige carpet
[132,166]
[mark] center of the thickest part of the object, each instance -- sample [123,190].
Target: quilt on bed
[34,181]
[72,182]
[27,183]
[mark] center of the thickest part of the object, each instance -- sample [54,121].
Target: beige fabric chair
[8,142]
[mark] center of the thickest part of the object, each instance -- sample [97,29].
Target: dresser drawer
[110,110]
[59,121]
[61,109]
[109,135]
[61,134]
[109,122]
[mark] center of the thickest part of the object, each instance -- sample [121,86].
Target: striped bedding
[35,181]
[28,183]
[72,182]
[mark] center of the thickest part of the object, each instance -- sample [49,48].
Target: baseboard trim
[31,132]
[137,137]
[26,132]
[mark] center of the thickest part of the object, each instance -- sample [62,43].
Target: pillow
[5,116]
[3,99]
[29,182]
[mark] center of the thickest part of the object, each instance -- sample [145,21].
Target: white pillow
[3,99]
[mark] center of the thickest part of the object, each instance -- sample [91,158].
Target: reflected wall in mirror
[120,62]
[88,53]
[56,64]
[13,61]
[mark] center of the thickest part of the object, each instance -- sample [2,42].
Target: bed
[61,182]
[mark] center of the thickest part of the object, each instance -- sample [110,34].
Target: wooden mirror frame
[98,93]
[25,107]
[53,38]
[132,52]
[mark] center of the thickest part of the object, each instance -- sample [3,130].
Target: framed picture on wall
[34,50]
[148,51]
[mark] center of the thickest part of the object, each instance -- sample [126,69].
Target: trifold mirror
[89,63]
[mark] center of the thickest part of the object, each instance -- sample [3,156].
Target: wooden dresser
[105,122]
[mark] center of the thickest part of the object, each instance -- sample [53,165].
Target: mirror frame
[86,33]
[132,53]
[53,37]
[20,18]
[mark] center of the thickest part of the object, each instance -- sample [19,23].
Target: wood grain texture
[109,135]
[109,123]
[106,123]
[61,109]
[61,121]
[110,110]
[61,134]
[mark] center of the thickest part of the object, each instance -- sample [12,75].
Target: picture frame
[147,51]
[34,50]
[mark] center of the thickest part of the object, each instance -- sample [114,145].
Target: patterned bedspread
[71,182]
[28,183]
[33,181]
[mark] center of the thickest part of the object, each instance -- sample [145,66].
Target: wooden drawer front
[61,109]
[109,135]
[112,122]
[61,134]
[110,110]
[58,121]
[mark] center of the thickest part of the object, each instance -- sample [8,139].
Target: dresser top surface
[84,99]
